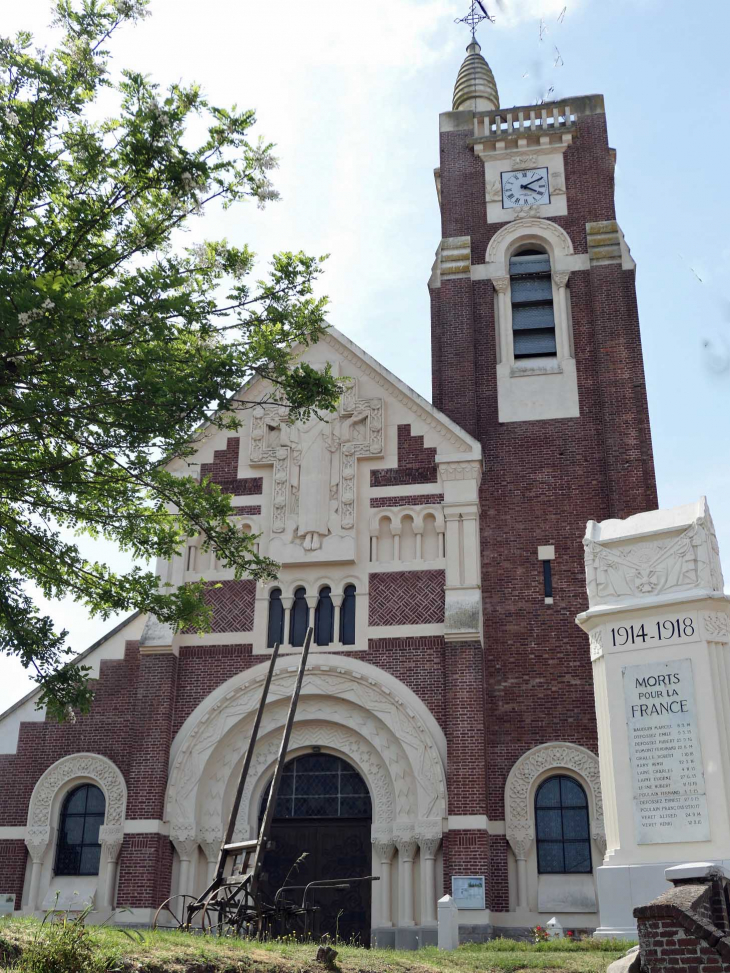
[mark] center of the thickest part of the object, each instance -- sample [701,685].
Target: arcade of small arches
[334,616]
[407,534]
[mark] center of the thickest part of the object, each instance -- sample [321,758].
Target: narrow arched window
[347,616]
[299,617]
[561,827]
[276,619]
[533,315]
[324,618]
[82,815]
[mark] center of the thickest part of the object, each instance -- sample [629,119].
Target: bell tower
[536,352]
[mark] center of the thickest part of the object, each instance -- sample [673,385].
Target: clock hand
[528,185]
[530,188]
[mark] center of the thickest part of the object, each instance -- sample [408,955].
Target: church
[445,739]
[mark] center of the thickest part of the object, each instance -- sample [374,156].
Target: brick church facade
[446,730]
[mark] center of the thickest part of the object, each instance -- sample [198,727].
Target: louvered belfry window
[533,315]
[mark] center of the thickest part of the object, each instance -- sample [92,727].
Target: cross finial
[476,15]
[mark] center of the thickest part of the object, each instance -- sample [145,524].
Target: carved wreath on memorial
[688,561]
[315,463]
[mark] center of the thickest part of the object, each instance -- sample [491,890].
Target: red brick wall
[406,597]
[543,480]
[416,463]
[686,929]
[12,868]
[145,871]
[202,668]
[224,471]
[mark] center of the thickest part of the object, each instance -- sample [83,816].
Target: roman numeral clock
[526,187]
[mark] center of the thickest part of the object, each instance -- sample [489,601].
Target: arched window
[320,785]
[324,618]
[347,616]
[533,316]
[276,619]
[82,815]
[299,617]
[561,827]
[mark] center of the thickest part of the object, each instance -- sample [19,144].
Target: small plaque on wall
[468,891]
[7,903]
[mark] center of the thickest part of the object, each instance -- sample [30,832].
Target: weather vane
[476,15]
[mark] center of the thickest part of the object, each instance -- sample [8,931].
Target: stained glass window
[320,785]
[347,615]
[324,617]
[78,851]
[299,617]
[562,827]
[276,619]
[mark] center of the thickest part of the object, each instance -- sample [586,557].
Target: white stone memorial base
[621,888]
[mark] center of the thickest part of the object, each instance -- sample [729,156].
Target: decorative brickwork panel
[417,500]
[407,598]
[416,463]
[12,868]
[145,871]
[233,606]
[224,471]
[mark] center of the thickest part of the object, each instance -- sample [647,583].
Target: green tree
[116,347]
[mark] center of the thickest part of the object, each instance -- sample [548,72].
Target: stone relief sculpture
[638,569]
[314,474]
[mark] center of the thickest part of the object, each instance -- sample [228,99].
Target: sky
[351,93]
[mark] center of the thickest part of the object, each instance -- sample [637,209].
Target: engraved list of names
[666,759]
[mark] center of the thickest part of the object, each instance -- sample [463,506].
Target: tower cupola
[475,86]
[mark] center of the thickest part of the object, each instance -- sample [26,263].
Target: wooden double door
[335,848]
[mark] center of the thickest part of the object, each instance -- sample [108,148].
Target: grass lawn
[173,952]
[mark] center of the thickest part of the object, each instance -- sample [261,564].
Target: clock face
[525,187]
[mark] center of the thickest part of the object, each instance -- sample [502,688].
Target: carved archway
[77,766]
[519,789]
[529,230]
[351,695]
[334,723]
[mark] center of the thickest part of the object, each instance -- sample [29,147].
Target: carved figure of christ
[315,471]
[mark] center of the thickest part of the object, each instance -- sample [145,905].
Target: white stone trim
[146,826]
[10,833]
[404,631]
[84,766]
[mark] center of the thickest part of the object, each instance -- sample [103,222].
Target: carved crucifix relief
[313,506]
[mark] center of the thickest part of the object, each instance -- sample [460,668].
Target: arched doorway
[321,830]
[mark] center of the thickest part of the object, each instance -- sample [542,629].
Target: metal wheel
[173,913]
[220,915]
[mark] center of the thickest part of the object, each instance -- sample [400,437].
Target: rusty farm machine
[236,903]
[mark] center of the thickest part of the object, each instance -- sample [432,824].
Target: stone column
[36,843]
[406,854]
[186,849]
[505,343]
[395,530]
[429,845]
[419,544]
[286,603]
[561,281]
[521,849]
[337,604]
[210,841]
[110,838]
[385,849]
[373,548]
